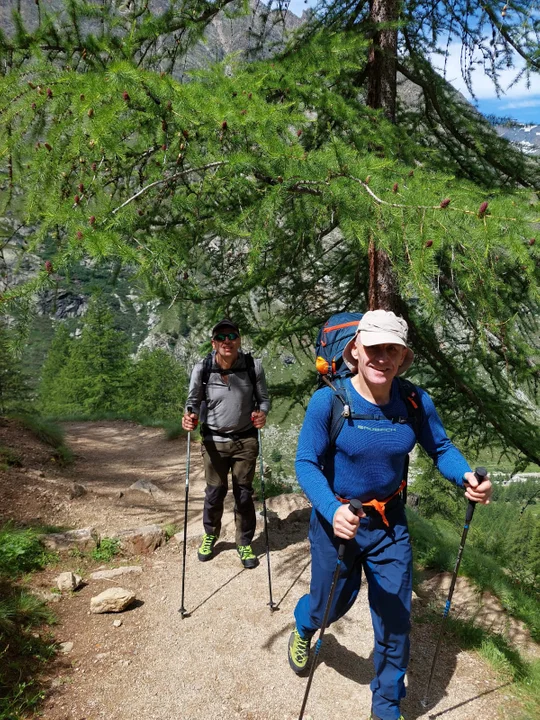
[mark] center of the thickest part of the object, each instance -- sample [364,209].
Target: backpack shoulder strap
[409,395]
[209,367]
[341,408]
[250,367]
[206,371]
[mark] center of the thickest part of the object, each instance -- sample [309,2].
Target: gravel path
[228,659]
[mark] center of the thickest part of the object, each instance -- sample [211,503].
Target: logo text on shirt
[374,429]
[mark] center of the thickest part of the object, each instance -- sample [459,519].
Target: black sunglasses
[220,337]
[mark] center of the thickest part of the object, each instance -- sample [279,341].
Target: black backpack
[249,366]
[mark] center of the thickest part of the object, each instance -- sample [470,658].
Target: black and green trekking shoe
[247,556]
[376,717]
[298,652]
[206,548]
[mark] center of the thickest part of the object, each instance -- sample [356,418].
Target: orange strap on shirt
[379,505]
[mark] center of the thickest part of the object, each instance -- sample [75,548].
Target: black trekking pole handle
[480,474]
[182,610]
[355,507]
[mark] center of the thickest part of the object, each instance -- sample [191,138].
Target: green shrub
[108,548]
[173,429]
[9,458]
[20,551]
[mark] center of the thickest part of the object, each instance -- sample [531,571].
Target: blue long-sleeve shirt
[368,460]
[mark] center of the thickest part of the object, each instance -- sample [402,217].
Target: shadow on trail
[424,638]
[282,533]
[346,662]
[223,546]
[296,579]
[215,592]
[432,716]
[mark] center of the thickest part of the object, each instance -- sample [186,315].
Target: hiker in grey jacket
[228,393]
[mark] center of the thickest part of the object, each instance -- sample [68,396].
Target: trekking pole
[182,610]
[355,507]
[480,474]
[271,603]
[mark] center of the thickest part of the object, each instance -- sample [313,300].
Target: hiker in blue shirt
[367,461]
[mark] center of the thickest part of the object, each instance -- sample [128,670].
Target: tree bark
[381,94]
[382,283]
[383,57]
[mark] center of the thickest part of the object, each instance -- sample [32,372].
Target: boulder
[115,572]
[114,599]
[140,541]
[68,581]
[83,539]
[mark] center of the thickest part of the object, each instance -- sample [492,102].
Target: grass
[435,545]
[49,433]
[506,660]
[9,458]
[21,551]
[25,646]
[108,548]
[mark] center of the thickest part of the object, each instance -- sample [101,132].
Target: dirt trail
[228,658]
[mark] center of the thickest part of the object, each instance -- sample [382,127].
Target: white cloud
[534,103]
[483,87]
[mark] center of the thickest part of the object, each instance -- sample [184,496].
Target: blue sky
[518,101]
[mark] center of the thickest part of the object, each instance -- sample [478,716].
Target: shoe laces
[207,543]
[245,551]
[300,647]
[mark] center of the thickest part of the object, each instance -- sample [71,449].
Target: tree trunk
[381,94]
[382,283]
[383,57]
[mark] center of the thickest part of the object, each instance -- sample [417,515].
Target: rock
[114,599]
[68,581]
[84,539]
[292,507]
[115,572]
[76,490]
[140,541]
[117,623]
[66,647]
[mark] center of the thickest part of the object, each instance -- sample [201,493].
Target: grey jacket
[228,404]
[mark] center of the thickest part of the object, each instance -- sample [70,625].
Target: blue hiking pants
[386,556]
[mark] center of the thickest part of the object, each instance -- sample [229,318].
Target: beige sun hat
[380,327]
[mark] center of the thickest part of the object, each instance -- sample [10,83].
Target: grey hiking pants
[240,458]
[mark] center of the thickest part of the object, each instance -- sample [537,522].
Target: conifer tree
[94,375]
[51,392]
[14,391]
[157,386]
[518,544]
[275,200]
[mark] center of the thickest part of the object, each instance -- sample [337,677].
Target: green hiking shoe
[247,556]
[298,652]
[206,548]
[376,717]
